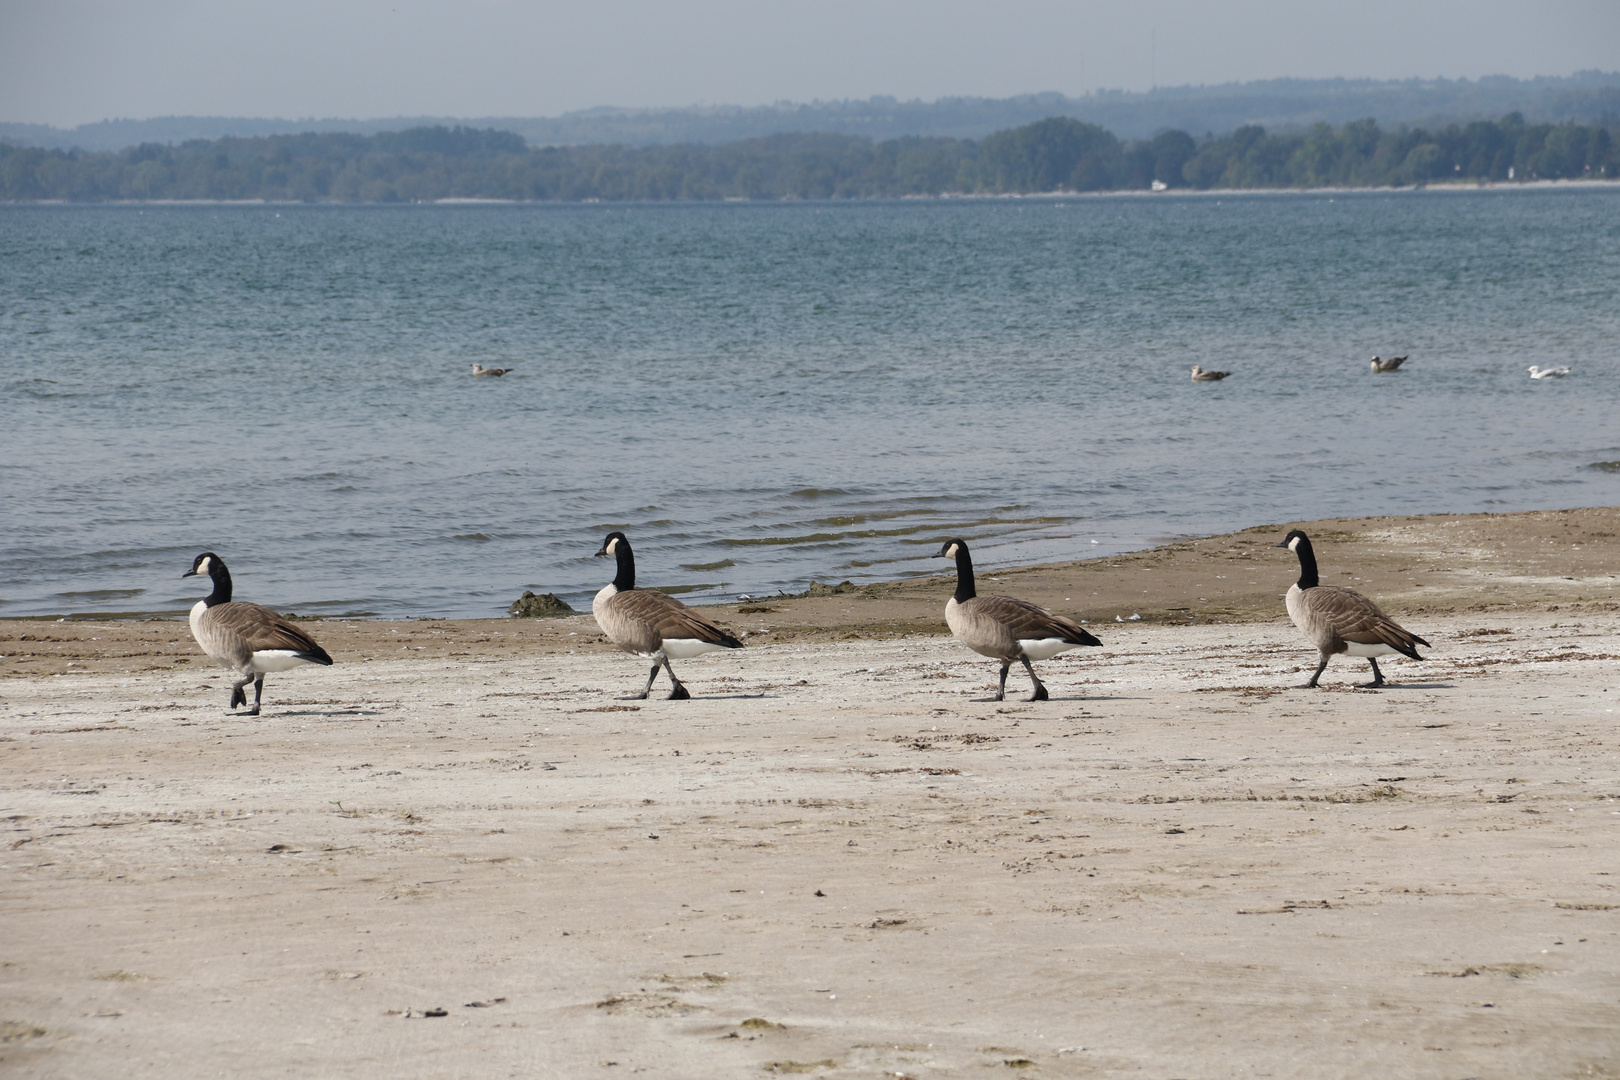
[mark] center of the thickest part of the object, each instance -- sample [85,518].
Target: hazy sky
[67,62]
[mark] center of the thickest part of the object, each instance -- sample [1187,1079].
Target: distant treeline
[1056,154]
[1586,97]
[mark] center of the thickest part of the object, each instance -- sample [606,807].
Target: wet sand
[840,859]
[1437,564]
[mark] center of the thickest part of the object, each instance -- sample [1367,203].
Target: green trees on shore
[1056,154]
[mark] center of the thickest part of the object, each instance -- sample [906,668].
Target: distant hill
[1279,105]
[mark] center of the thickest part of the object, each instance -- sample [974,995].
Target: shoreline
[1538,560]
[1436,186]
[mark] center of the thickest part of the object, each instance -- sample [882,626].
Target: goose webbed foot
[679,692]
[1040,687]
[238,694]
[1378,676]
[1319,669]
[253,711]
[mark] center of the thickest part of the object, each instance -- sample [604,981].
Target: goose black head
[204,564]
[611,545]
[956,548]
[1294,539]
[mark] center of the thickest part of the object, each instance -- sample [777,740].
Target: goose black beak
[1281,545]
[189,573]
[601,552]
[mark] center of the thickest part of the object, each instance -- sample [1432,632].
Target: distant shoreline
[1448,187]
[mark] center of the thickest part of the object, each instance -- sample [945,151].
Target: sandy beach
[463,852]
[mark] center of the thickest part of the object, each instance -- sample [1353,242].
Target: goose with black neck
[248,639]
[1340,620]
[1004,627]
[650,624]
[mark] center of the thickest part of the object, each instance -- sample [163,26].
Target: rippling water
[765,394]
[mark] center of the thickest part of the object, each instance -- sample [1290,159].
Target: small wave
[476,537]
[817,493]
[102,594]
[858,519]
[705,567]
[775,541]
[676,590]
[1605,466]
[822,538]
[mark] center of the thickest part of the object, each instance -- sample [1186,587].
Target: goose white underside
[1355,648]
[682,648]
[1044,648]
[266,660]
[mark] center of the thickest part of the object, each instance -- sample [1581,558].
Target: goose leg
[1040,687]
[238,695]
[1001,691]
[645,690]
[679,693]
[1378,676]
[258,693]
[1319,669]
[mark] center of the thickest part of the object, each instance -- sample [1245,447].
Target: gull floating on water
[1200,375]
[1387,365]
[1547,373]
[480,369]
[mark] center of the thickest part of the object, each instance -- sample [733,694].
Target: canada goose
[1341,620]
[1387,365]
[249,639]
[650,624]
[480,369]
[1547,373]
[1200,375]
[1005,628]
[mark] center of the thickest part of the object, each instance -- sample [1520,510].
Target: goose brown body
[1339,620]
[249,639]
[1390,364]
[1004,627]
[652,624]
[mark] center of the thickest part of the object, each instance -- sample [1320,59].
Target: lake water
[765,394]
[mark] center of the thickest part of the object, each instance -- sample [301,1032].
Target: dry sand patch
[837,860]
